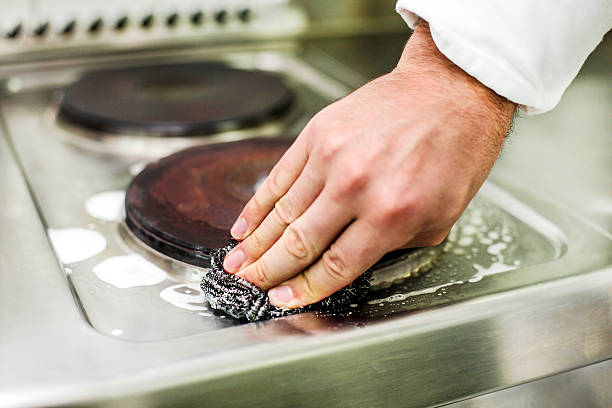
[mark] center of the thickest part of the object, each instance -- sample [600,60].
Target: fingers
[302,242]
[427,238]
[278,182]
[349,256]
[286,210]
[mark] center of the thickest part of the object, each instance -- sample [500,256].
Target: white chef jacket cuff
[514,48]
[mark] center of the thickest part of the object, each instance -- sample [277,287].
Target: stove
[94,130]
[97,130]
[119,182]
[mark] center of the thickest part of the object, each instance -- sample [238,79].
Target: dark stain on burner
[175,100]
[184,205]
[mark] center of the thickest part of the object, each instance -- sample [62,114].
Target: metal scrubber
[241,299]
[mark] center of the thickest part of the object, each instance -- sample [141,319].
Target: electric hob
[133,316]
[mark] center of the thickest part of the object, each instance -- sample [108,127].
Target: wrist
[421,59]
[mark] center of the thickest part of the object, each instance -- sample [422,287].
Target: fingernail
[239,228]
[280,295]
[233,260]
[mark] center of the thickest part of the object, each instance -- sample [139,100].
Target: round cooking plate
[174,100]
[184,205]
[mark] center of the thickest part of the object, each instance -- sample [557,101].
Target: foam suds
[185,296]
[398,297]
[106,206]
[465,241]
[496,267]
[76,244]
[127,271]
[497,248]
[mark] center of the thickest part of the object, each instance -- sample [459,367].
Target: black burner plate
[175,100]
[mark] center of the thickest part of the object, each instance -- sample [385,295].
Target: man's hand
[392,165]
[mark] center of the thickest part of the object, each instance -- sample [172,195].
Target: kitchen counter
[560,163]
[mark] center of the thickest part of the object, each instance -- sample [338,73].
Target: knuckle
[273,182]
[320,120]
[334,266]
[331,146]
[307,291]
[261,274]
[355,178]
[297,245]
[255,242]
[256,204]
[314,124]
[397,208]
[284,210]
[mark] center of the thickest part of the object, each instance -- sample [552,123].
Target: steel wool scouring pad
[241,299]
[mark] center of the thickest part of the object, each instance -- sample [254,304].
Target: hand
[392,165]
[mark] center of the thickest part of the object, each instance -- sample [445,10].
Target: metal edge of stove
[587,386]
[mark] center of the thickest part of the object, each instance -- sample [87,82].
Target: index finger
[278,182]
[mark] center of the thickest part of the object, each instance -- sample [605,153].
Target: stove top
[175,100]
[135,271]
[84,295]
[521,291]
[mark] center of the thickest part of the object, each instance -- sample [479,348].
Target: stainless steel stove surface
[144,331]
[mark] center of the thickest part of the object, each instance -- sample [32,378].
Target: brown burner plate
[184,204]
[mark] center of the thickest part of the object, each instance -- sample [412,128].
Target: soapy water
[123,271]
[398,297]
[76,244]
[106,206]
[127,271]
[495,268]
[484,242]
[186,296]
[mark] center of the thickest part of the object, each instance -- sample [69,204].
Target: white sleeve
[527,51]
